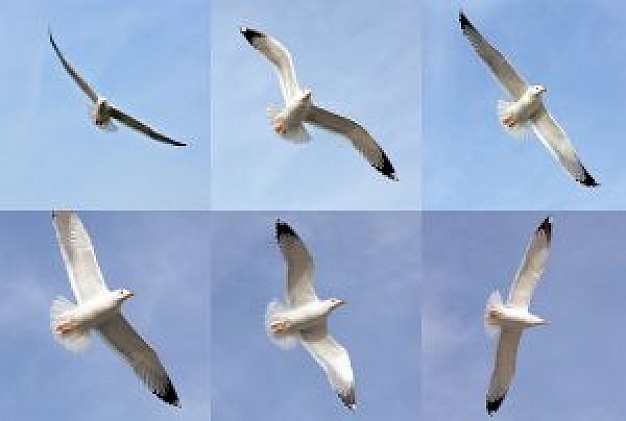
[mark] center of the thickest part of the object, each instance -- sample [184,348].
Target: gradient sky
[571,369]
[361,59]
[577,51]
[371,260]
[162,257]
[152,62]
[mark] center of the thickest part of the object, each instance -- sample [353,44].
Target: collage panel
[355,86]
[481,154]
[151,64]
[568,363]
[158,264]
[370,260]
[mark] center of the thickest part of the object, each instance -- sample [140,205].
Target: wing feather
[300,267]
[82,83]
[78,255]
[143,128]
[279,56]
[359,137]
[554,138]
[121,336]
[510,80]
[333,358]
[504,368]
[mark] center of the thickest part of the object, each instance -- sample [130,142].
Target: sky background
[569,370]
[152,62]
[162,257]
[371,260]
[577,51]
[360,59]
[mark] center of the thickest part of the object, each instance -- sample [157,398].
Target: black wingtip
[546,226]
[588,181]
[283,228]
[168,394]
[348,399]
[493,406]
[386,168]
[250,34]
[463,20]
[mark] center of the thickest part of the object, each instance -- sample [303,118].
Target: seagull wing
[504,368]
[72,72]
[333,358]
[138,125]
[510,80]
[121,336]
[359,137]
[555,139]
[280,58]
[300,266]
[79,257]
[532,266]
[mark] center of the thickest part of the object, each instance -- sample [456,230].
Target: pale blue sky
[577,51]
[151,61]
[571,369]
[361,59]
[162,257]
[371,260]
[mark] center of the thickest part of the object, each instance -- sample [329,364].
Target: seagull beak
[544,89]
[341,302]
[130,294]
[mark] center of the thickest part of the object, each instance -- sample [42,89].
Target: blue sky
[576,51]
[371,260]
[570,369]
[162,257]
[153,62]
[361,59]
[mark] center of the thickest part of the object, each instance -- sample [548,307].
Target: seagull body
[526,110]
[103,112]
[99,309]
[512,317]
[299,107]
[302,318]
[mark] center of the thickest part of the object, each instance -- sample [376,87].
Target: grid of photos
[279,210]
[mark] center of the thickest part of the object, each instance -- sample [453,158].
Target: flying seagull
[303,317]
[299,108]
[103,112]
[526,108]
[513,317]
[99,309]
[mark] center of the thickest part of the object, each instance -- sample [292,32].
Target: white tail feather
[519,131]
[493,302]
[272,314]
[76,340]
[296,134]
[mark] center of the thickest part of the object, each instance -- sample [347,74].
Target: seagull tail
[519,131]
[283,340]
[493,302]
[73,339]
[297,134]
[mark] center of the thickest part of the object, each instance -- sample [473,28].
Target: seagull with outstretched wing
[526,108]
[99,309]
[299,108]
[103,112]
[513,317]
[303,317]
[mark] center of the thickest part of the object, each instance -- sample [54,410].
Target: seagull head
[123,294]
[335,302]
[538,89]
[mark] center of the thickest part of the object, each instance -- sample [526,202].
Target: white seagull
[526,109]
[103,112]
[99,309]
[300,109]
[303,317]
[513,317]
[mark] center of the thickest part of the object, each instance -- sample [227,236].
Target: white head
[306,95]
[122,294]
[335,302]
[537,90]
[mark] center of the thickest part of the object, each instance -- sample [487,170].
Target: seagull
[303,317]
[299,107]
[526,109]
[99,309]
[513,317]
[103,112]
